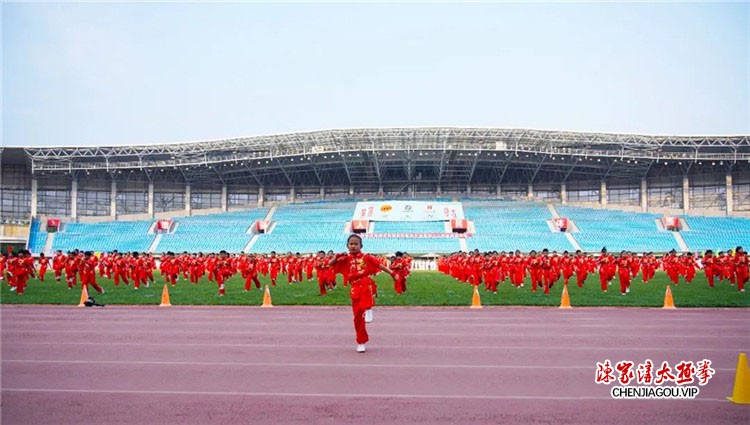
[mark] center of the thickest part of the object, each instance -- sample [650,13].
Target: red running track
[241,365]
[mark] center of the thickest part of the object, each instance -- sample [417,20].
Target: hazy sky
[134,73]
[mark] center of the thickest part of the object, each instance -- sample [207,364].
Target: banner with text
[408,211]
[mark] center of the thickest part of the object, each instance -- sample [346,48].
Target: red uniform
[358,268]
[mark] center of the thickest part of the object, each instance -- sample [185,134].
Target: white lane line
[384,323]
[93,331]
[315,365]
[410,346]
[329,395]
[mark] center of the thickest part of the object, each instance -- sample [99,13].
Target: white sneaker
[627,289]
[368,317]
[361,348]
[13,288]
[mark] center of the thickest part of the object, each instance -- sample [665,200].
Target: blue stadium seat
[716,233]
[618,230]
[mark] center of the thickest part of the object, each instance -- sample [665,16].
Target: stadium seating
[308,227]
[618,230]
[507,226]
[108,236]
[716,233]
[37,238]
[212,232]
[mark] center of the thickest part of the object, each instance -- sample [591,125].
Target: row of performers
[139,268]
[545,269]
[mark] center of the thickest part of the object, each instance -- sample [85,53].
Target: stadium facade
[702,175]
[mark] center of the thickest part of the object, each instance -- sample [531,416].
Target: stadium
[298,192]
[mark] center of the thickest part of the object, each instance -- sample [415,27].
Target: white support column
[498,191]
[261,196]
[113,200]
[151,199]
[685,195]
[468,189]
[563,193]
[644,195]
[351,190]
[530,191]
[188,207]
[224,202]
[603,194]
[34,199]
[322,192]
[381,192]
[412,191]
[292,194]
[729,196]
[74,199]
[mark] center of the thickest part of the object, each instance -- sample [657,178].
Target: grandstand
[613,187]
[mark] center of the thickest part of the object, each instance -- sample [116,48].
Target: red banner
[53,222]
[163,224]
[417,235]
[459,224]
[671,222]
[561,223]
[360,225]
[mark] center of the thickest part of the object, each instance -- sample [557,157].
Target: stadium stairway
[48,243]
[155,244]
[681,242]
[572,228]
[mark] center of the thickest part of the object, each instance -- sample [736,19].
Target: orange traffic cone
[668,301]
[565,302]
[475,301]
[165,298]
[267,298]
[84,295]
[741,392]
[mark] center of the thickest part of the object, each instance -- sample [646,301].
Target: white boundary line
[315,365]
[333,346]
[330,395]
[6,332]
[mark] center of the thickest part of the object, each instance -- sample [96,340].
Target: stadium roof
[441,155]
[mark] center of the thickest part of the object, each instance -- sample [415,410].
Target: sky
[139,73]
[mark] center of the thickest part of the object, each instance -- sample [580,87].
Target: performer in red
[689,265]
[274,264]
[670,264]
[398,265]
[580,263]
[58,264]
[358,268]
[71,268]
[250,269]
[624,270]
[709,267]
[87,271]
[43,264]
[741,268]
[606,268]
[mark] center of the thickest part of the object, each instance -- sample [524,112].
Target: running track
[247,365]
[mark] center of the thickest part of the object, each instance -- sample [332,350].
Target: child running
[357,269]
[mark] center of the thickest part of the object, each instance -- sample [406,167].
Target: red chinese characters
[604,373]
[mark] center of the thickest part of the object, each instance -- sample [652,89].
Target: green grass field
[424,289]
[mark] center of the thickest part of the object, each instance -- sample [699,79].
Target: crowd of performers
[138,268]
[545,268]
[488,269]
